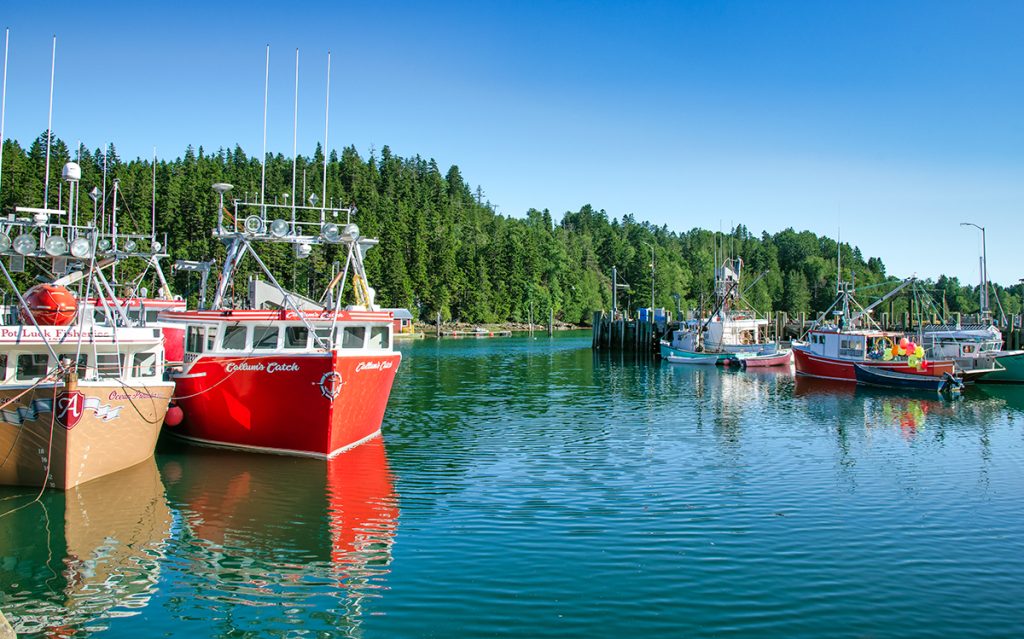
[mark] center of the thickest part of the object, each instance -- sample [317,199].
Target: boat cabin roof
[256,317]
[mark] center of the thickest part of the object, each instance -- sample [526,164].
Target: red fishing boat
[832,351]
[289,380]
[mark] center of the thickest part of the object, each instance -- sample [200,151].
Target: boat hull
[315,405]
[98,429]
[884,378]
[813,365]
[1011,371]
[781,358]
[679,356]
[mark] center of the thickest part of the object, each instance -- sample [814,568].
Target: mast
[327,115]
[263,159]
[152,213]
[49,128]
[3,101]
[295,136]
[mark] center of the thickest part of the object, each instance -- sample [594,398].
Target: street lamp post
[652,277]
[984,268]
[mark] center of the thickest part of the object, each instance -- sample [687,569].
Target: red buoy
[50,305]
[174,416]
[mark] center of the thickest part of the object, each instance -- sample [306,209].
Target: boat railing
[304,225]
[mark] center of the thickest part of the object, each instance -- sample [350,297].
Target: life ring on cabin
[330,384]
[49,305]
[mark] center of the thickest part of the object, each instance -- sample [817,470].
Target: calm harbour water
[527,487]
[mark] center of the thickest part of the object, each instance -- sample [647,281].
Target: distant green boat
[1012,371]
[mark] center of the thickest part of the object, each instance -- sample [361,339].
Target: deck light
[330,232]
[351,232]
[55,245]
[130,246]
[303,250]
[156,247]
[253,224]
[279,228]
[25,244]
[81,248]
[5,242]
[104,244]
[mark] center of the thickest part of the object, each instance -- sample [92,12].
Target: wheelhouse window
[380,337]
[296,337]
[234,338]
[353,337]
[31,366]
[265,337]
[3,366]
[853,347]
[109,364]
[323,333]
[151,316]
[211,337]
[194,339]
[144,365]
[82,366]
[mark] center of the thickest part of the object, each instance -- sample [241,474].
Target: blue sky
[893,120]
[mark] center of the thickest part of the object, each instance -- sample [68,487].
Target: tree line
[444,250]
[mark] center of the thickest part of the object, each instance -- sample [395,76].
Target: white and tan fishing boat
[82,394]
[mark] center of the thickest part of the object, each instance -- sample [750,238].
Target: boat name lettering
[115,395]
[374,366]
[271,367]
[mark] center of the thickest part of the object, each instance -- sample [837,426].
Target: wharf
[617,333]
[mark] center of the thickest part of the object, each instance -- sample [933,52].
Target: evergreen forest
[445,251]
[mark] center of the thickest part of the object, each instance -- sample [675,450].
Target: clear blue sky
[896,120]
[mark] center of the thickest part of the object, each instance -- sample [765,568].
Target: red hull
[842,369]
[286,403]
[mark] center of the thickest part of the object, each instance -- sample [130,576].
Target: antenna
[295,134]
[49,128]
[152,215]
[839,258]
[327,115]
[3,101]
[263,160]
[103,202]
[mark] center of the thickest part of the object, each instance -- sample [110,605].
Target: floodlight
[55,245]
[279,228]
[25,244]
[351,232]
[330,232]
[253,224]
[81,248]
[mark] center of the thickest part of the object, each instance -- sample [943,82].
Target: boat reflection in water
[274,544]
[876,408]
[95,549]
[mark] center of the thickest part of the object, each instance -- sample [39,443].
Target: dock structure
[613,332]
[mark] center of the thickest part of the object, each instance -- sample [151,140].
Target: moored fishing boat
[81,396]
[833,350]
[730,329]
[311,383]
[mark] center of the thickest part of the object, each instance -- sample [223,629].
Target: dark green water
[528,488]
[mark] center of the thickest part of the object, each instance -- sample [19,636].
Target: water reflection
[78,559]
[274,544]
